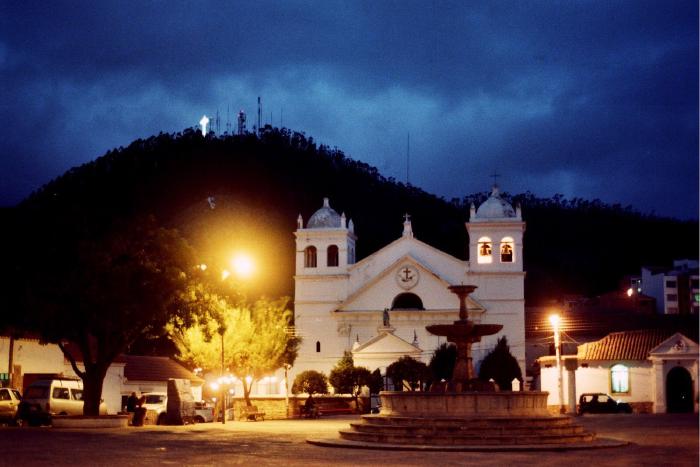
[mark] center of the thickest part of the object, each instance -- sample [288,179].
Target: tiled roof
[627,345]
[144,368]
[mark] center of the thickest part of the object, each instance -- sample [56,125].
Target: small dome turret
[495,207]
[325,218]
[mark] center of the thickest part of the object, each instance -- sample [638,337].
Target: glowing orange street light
[242,265]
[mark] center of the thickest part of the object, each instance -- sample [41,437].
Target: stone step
[466,430]
[482,422]
[465,440]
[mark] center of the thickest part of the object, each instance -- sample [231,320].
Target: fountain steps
[465,431]
[471,422]
[456,440]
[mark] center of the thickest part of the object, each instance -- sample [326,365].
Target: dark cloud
[590,99]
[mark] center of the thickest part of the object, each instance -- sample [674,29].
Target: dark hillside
[245,192]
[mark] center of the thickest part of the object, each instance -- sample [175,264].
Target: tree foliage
[442,362]
[501,366]
[407,372]
[255,339]
[94,296]
[346,378]
[310,382]
[376,382]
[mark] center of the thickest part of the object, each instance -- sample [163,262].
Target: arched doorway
[679,391]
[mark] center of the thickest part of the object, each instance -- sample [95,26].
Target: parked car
[45,398]
[601,403]
[9,405]
[158,402]
[204,412]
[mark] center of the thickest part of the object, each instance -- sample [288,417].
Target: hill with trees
[244,192]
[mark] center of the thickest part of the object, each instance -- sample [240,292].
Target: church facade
[378,307]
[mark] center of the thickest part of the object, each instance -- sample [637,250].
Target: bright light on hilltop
[242,265]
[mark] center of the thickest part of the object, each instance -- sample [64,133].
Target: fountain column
[463,333]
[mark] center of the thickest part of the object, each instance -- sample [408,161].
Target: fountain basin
[464,404]
[464,330]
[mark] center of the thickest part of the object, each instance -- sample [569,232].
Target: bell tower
[327,244]
[496,235]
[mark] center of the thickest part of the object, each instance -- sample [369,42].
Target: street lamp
[555,321]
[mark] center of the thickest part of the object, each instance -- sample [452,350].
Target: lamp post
[243,267]
[223,386]
[555,320]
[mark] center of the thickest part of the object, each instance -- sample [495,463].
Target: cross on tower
[406,217]
[495,176]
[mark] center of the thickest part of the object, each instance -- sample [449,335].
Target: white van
[157,402]
[45,398]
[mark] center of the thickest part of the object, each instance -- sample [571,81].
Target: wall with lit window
[597,376]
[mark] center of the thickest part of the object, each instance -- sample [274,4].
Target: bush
[410,370]
[310,382]
[501,366]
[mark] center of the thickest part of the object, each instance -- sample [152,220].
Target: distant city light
[630,291]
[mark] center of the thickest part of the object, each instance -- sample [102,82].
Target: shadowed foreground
[657,440]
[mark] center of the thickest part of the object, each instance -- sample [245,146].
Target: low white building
[127,374]
[653,370]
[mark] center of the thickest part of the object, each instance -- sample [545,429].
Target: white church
[377,308]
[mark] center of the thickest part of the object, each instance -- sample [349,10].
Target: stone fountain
[465,414]
[463,333]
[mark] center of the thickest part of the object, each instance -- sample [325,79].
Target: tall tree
[250,341]
[346,378]
[501,366]
[95,296]
[442,362]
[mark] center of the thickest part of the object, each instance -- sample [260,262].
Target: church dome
[324,218]
[495,207]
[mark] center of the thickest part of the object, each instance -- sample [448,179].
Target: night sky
[592,99]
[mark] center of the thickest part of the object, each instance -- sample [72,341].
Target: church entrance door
[679,391]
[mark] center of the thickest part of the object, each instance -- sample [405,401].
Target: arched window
[619,379]
[318,346]
[310,257]
[484,250]
[407,301]
[506,250]
[332,256]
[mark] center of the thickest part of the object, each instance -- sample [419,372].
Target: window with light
[620,379]
[507,250]
[484,250]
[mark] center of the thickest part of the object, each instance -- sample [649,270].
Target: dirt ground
[655,440]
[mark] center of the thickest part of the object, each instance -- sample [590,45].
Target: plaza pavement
[655,440]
